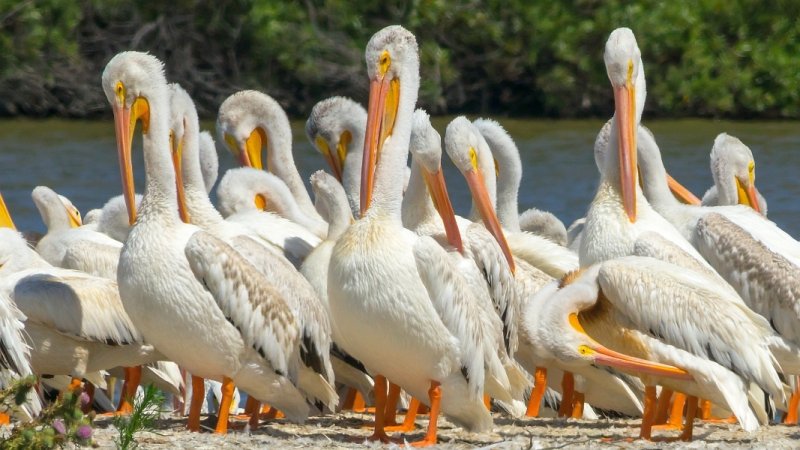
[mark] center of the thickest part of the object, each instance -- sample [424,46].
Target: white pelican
[315,376]
[508,168]
[332,203]
[196,299]
[648,309]
[479,259]
[335,127]
[262,201]
[250,122]
[734,172]
[386,284]
[75,322]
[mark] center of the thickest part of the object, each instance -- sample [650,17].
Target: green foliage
[58,424]
[717,58]
[144,416]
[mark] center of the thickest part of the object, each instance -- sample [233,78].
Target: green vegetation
[144,416]
[720,58]
[59,423]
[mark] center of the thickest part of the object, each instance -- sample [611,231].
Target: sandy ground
[346,430]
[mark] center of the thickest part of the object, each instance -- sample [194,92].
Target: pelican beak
[5,216]
[441,201]
[605,356]
[124,125]
[74,217]
[177,162]
[248,152]
[681,193]
[747,193]
[625,112]
[384,95]
[480,195]
[261,202]
[333,161]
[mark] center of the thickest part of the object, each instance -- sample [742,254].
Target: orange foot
[383,438]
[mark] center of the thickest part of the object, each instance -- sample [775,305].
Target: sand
[346,430]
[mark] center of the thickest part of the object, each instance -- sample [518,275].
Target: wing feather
[542,253]
[93,258]
[255,308]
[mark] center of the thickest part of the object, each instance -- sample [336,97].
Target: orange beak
[625,104]
[332,160]
[381,112]
[177,155]
[441,201]
[124,124]
[748,195]
[5,216]
[481,197]
[681,193]
[605,356]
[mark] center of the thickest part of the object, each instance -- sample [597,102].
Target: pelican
[386,284]
[76,323]
[508,168]
[315,376]
[332,203]
[334,127]
[427,211]
[249,122]
[67,244]
[643,300]
[261,201]
[192,296]
[734,172]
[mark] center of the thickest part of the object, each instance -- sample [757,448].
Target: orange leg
[435,395]
[705,413]
[380,411]
[349,399]
[224,406]
[5,419]
[539,386]
[577,405]
[567,390]
[133,376]
[662,410]
[649,413]
[791,414]
[691,412]
[359,405]
[198,396]
[675,421]
[391,405]
[487,402]
[408,422]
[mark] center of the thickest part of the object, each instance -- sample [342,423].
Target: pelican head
[331,128]
[58,213]
[131,82]
[426,148]
[247,120]
[247,189]
[734,171]
[462,143]
[624,66]
[331,202]
[558,329]
[393,69]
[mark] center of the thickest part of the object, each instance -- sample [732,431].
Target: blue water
[78,160]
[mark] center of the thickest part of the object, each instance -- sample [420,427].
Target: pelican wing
[542,253]
[92,257]
[486,253]
[451,299]
[301,298]
[294,241]
[75,304]
[767,280]
[15,353]
[251,304]
[683,309]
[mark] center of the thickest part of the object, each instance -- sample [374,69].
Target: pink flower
[84,432]
[84,398]
[58,425]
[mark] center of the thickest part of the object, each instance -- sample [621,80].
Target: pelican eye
[585,350]
[473,158]
[630,71]
[120,92]
[384,62]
